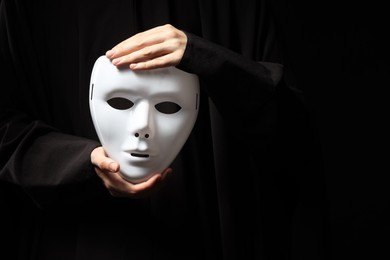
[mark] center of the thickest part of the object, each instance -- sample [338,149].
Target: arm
[47,164]
[238,86]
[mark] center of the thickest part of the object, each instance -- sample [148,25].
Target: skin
[158,47]
[162,46]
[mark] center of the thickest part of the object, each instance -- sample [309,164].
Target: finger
[144,54]
[115,181]
[166,173]
[108,164]
[146,185]
[100,173]
[136,42]
[103,176]
[153,182]
[116,185]
[132,45]
[100,159]
[171,59]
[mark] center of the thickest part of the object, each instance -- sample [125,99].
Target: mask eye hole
[167,107]
[120,103]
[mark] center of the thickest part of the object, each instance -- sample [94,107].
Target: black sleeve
[37,158]
[238,86]
[48,165]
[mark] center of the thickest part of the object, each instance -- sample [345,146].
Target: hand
[159,47]
[108,170]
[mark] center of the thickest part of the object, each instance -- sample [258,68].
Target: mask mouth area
[140,155]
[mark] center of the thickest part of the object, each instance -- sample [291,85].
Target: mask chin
[142,118]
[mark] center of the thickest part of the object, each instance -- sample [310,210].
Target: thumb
[100,159]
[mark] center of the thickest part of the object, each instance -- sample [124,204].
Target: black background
[339,54]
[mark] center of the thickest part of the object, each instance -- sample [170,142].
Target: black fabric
[247,184]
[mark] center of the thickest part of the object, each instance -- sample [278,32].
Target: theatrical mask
[142,118]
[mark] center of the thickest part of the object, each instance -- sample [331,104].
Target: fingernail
[113,167]
[116,61]
[109,53]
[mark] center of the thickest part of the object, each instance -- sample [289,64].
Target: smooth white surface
[146,137]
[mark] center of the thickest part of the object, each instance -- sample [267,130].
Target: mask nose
[142,135]
[141,124]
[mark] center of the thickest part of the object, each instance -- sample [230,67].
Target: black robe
[246,185]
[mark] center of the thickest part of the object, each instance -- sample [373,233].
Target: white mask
[142,118]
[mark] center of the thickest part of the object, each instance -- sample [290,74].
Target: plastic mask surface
[142,118]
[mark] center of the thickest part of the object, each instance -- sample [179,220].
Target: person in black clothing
[247,183]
